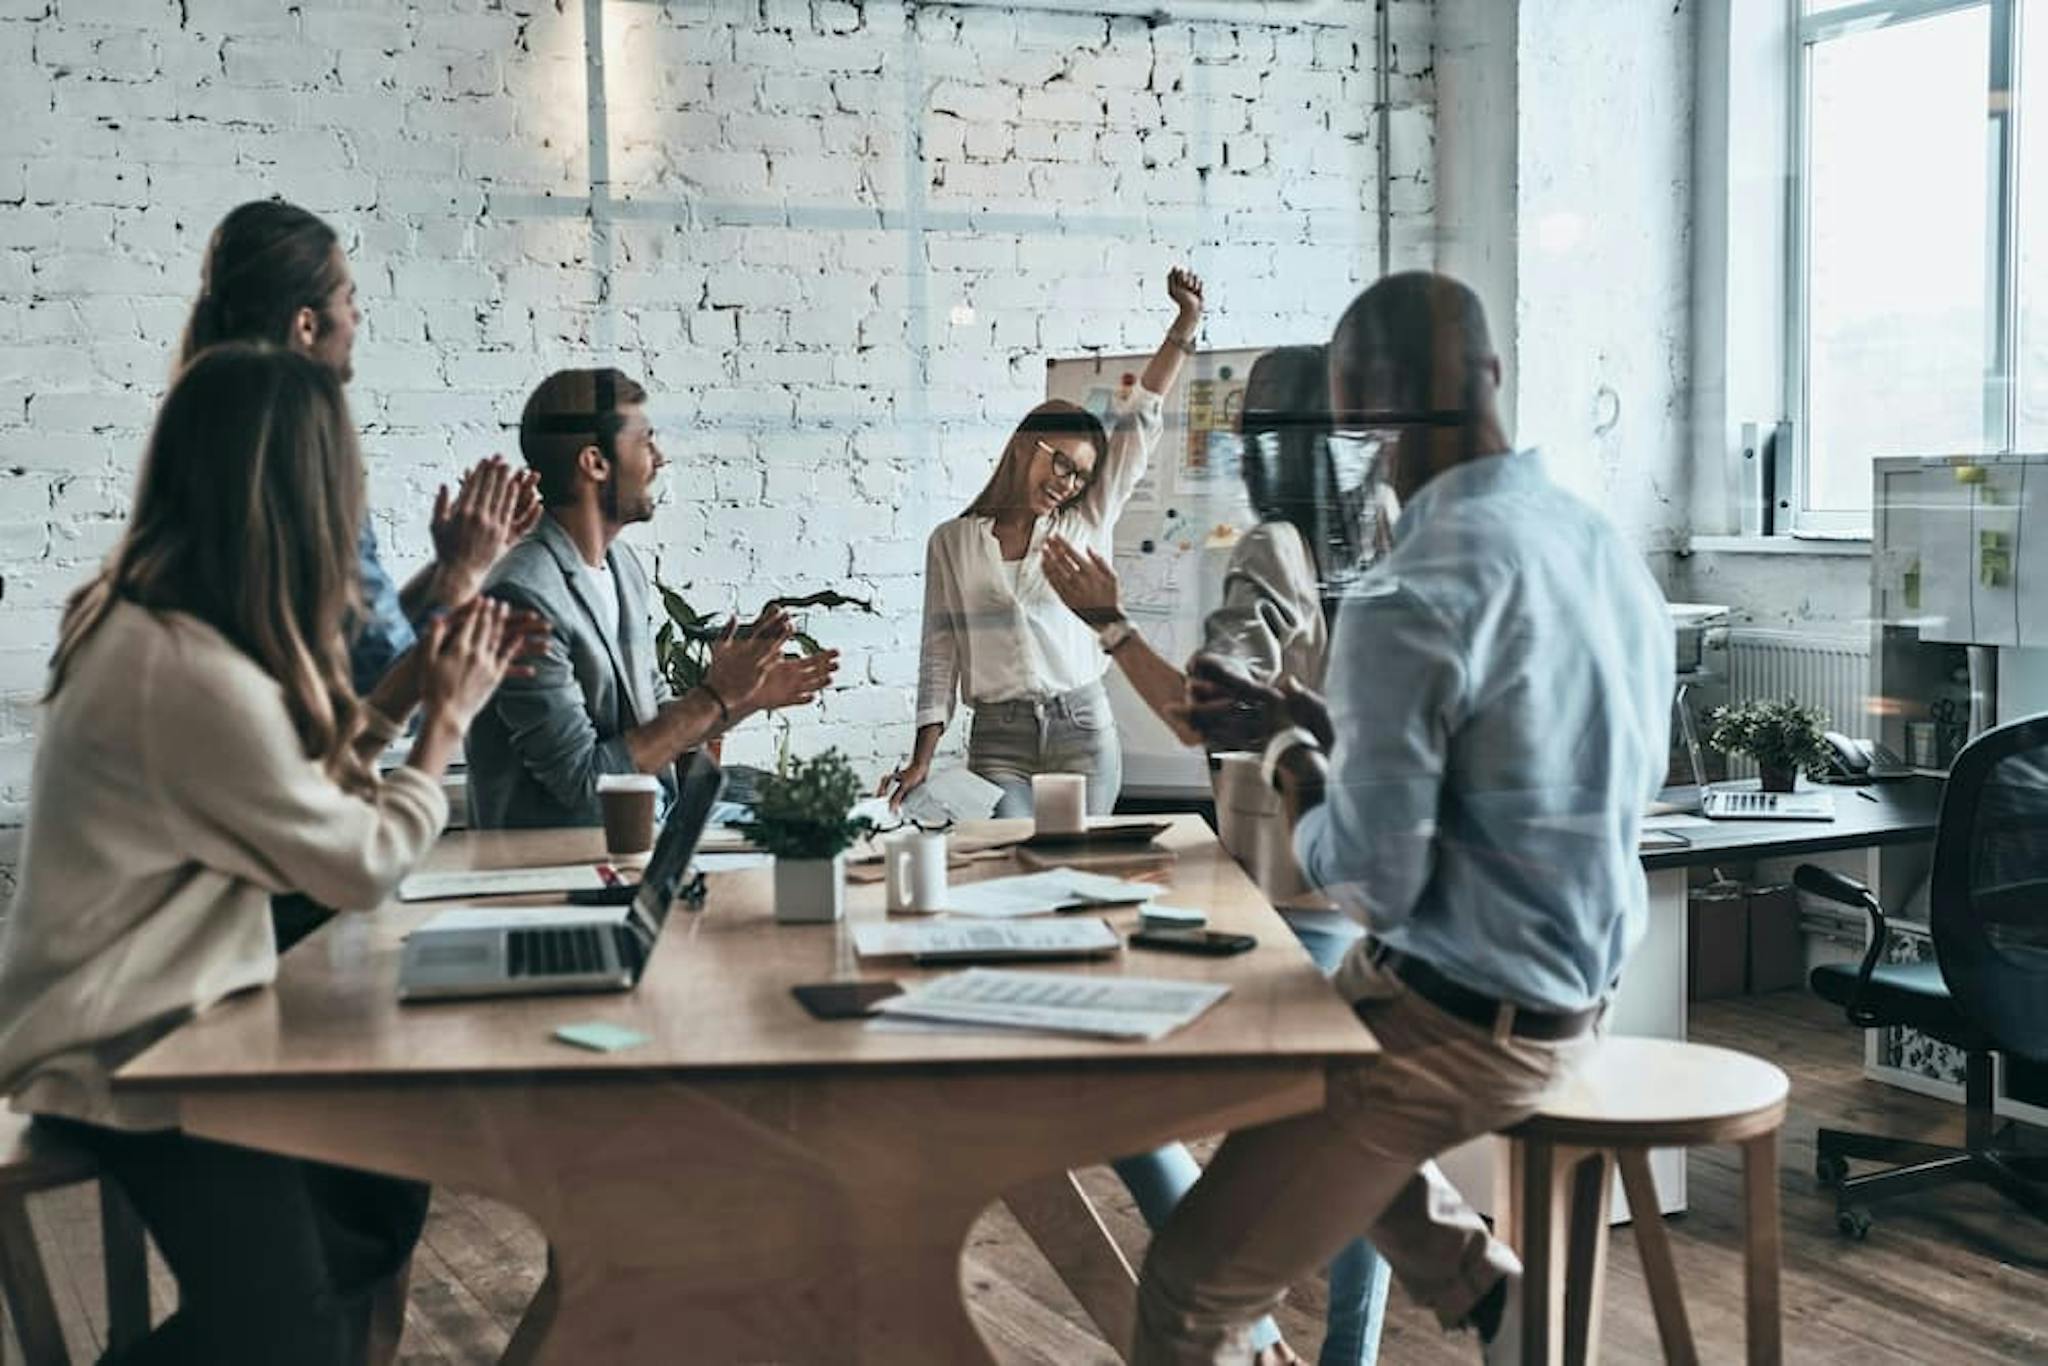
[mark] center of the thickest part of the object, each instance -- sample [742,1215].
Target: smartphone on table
[843,1000]
[1210,943]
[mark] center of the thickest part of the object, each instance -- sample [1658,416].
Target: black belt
[1476,1007]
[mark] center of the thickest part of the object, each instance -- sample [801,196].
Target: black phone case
[843,1000]
[1217,944]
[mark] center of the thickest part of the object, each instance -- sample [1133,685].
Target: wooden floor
[1958,1278]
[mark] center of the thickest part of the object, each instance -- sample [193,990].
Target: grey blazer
[537,748]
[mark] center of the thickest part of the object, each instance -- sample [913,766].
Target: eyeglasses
[1063,467]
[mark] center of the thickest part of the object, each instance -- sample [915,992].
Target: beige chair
[1636,1095]
[29,1164]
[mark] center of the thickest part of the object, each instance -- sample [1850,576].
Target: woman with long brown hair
[995,634]
[202,748]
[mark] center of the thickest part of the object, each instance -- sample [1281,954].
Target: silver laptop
[1741,803]
[546,950]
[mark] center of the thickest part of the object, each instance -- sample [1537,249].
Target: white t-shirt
[996,631]
[604,595]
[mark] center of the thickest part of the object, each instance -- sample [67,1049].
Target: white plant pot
[810,891]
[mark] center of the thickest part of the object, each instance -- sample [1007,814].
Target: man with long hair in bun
[276,273]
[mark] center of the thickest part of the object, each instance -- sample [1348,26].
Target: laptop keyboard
[567,951]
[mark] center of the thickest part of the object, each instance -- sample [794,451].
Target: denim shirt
[1500,687]
[384,634]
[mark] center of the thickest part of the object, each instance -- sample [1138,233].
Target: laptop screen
[702,782]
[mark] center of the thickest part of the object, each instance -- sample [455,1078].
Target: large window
[1920,245]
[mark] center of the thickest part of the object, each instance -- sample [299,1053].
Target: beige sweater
[171,797]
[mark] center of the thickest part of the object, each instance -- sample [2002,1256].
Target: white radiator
[1829,672]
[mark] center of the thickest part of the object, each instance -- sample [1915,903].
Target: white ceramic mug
[1059,803]
[915,862]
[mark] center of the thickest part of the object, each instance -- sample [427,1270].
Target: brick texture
[838,239]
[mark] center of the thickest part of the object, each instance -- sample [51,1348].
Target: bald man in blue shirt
[1497,720]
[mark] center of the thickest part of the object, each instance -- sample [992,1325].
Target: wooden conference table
[749,1184]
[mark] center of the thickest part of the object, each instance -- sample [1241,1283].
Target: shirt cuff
[1310,835]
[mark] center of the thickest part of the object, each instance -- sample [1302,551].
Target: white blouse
[991,635]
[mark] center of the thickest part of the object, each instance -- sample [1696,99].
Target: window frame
[2004,117]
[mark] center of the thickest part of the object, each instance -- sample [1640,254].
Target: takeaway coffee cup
[628,802]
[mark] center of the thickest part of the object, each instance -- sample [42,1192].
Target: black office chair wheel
[1830,1169]
[1853,1224]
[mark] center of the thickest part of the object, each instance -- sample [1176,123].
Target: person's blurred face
[329,334]
[1403,450]
[1058,467]
[636,465]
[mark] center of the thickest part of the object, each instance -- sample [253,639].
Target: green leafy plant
[803,809]
[1784,737]
[682,647]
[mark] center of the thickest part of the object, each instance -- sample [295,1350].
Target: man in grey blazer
[597,703]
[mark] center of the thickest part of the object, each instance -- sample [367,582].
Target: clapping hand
[794,681]
[1232,712]
[1084,580]
[465,654]
[494,507]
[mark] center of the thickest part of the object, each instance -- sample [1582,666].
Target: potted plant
[803,816]
[1782,737]
[682,647]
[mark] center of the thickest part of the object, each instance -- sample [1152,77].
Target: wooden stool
[1635,1095]
[29,1164]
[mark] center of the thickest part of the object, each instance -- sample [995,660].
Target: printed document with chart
[1136,1008]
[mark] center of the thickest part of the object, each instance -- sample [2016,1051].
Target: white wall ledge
[1780,545]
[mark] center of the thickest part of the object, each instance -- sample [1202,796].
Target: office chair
[1985,993]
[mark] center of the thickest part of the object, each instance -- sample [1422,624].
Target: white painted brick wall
[762,278]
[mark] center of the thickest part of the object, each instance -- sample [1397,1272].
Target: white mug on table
[915,866]
[1059,803]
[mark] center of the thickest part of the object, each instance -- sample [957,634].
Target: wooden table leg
[1064,1223]
[1762,1249]
[813,1218]
[1659,1273]
[1585,1285]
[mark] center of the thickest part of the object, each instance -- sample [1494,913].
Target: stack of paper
[944,940]
[1141,1008]
[1055,889]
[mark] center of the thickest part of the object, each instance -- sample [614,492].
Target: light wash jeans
[1072,733]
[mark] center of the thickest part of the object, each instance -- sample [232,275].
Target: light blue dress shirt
[1501,690]
[384,633]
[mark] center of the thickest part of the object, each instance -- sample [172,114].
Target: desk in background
[750,1182]
[1652,998]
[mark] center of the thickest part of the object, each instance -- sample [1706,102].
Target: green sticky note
[599,1037]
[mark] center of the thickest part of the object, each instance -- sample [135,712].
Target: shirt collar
[1477,478]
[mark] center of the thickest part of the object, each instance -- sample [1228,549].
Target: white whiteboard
[1174,538]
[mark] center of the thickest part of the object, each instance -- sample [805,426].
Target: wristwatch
[1277,748]
[1115,635]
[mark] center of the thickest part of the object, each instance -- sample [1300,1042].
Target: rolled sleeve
[938,658]
[1134,432]
[1371,845]
[383,634]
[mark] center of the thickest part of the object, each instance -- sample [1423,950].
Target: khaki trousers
[1278,1200]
